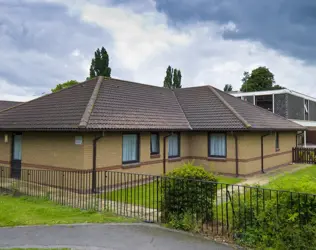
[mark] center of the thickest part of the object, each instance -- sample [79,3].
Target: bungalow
[111,124]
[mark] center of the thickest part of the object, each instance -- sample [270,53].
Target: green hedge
[187,196]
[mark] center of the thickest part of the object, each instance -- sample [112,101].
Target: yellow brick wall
[58,149]
[109,153]
[249,152]
[251,148]
[52,149]
[5,150]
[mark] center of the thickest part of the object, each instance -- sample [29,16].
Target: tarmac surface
[104,237]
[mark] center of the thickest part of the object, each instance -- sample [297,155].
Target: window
[130,152]
[217,145]
[78,140]
[265,101]
[174,146]
[17,147]
[277,145]
[154,143]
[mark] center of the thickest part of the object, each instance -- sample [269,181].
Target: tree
[246,77]
[228,87]
[173,78]
[64,85]
[277,87]
[260,79]
[177,79]
[167,83]
[100,64]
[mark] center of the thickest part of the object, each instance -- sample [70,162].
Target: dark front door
[16,156]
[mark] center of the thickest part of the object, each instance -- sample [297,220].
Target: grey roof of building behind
[8,104]
[112,104]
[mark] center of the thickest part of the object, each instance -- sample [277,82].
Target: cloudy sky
[46,42]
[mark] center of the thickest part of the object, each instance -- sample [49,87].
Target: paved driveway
[104,236]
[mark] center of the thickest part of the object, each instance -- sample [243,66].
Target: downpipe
[94,163]
[262,166]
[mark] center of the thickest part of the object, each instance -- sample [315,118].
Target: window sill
[131,165]
[174,159]
[216,159]
[155,156]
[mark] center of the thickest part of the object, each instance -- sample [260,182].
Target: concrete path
[263,179]
[105,237]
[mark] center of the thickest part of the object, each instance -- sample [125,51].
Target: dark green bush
[283,220]
[188,190]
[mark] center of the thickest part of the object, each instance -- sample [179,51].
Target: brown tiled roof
[127,105]
[258,117]
[111,104]
[8,104]
[204,110]
[61,110]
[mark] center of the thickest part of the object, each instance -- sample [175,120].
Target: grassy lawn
[148,195]
[16,211]
[289,180]
[227,180]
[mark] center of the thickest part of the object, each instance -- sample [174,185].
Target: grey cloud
[285,25]
[36,42]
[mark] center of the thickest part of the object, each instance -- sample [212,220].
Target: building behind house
[292,105]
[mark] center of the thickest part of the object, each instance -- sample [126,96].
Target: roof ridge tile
[182,110]
[89,108]
[239,117]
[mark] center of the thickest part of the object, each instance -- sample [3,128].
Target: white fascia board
[271,92]
[258,93]
[304,123]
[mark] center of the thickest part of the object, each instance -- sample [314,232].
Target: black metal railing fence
[207,207]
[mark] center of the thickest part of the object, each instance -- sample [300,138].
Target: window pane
[154,140]
[17,151]
[173,145]
[130,148]
[217,145]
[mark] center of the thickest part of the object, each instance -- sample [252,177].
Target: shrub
[186,222]
[307,156]
[284,220]
[188,190]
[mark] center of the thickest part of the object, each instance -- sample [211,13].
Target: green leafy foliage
[64,85]
[100,64]
[306,156]
[188,191]
[168,78]
[260,79]
[282,220]
[228,87]
[173,78]
[186,222]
